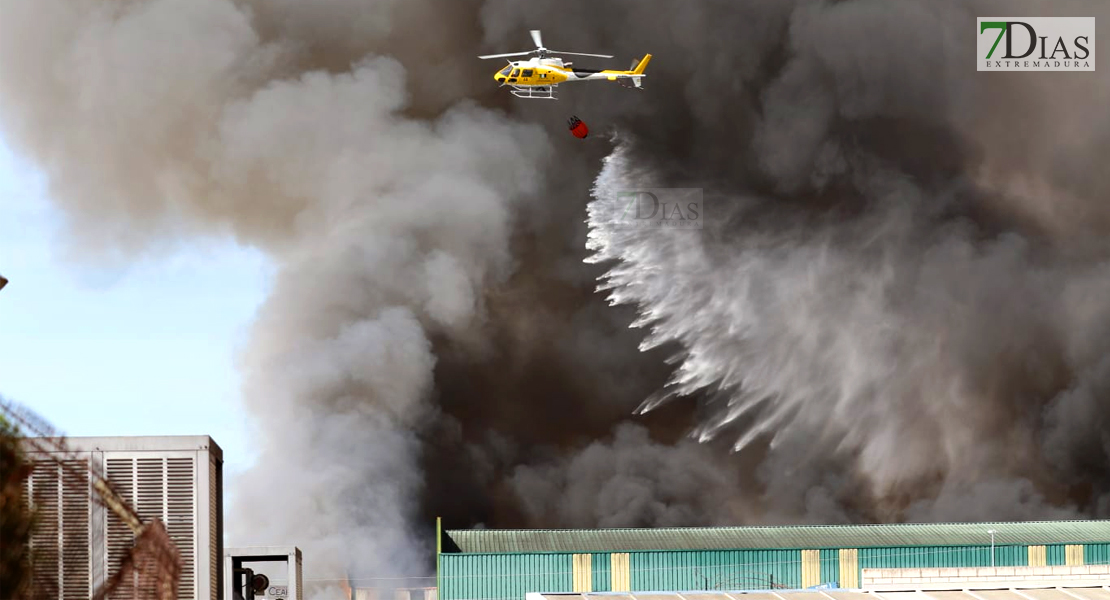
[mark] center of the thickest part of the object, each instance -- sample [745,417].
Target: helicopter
[539,76]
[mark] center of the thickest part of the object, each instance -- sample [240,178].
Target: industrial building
[509,564]
[1089,586]
[77,542]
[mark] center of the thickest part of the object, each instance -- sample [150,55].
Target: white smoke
[159,119]
[839,331]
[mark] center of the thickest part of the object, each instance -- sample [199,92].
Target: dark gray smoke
[894,273]
[896,311]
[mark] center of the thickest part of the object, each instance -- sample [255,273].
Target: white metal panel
[121,473]
[43,487]
[177,479]
[180,492]
[75,517]
[210,514]
[158,487]
[60,542]
[290,555]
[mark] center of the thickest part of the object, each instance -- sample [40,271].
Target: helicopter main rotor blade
[536,38]
[581,54]
[508,54]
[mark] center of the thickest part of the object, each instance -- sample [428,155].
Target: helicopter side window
[527,73]
[515,72]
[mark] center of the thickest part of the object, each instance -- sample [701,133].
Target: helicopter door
[513,75]
[526,75]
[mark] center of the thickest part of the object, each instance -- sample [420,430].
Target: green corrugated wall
[504,576]
[942,556]
[715,569]
[830,565]
[1096,554]
[602,572]
[1056,555]
[510,576]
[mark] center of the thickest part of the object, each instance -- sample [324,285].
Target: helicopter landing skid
[546,92]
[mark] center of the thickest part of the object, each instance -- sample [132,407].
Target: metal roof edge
[769,537]
[658,530]
[729,549]
[133,443]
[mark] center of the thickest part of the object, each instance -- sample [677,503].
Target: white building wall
[1002,577]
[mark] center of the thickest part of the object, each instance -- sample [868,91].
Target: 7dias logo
[1036,44]
[660,208]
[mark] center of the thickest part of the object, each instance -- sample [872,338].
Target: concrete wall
[900,579]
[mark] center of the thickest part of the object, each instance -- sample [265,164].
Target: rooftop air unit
[177,479]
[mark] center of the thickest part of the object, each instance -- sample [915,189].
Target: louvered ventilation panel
[162,488]
[300,580]
[214,549]
[60,540]
[43,487]
[75,520]
[121,472]
[181,518]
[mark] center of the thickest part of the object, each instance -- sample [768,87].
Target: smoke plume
[896,310]
[892,274]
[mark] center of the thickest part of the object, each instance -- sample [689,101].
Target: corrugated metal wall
[510,576]
[602,581]
[830,565]
[620,576]
[942,556]
[582,575]
[848,567]
[715,570]
[1096,554]
[1056,555]
[1073,555]
[504,576]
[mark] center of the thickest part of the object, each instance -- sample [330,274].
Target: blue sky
[151,353]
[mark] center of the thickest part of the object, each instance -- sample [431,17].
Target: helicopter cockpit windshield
[503,74]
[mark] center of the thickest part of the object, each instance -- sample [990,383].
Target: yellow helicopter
[539,76]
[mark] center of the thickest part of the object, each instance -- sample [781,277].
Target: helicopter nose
[498,77]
